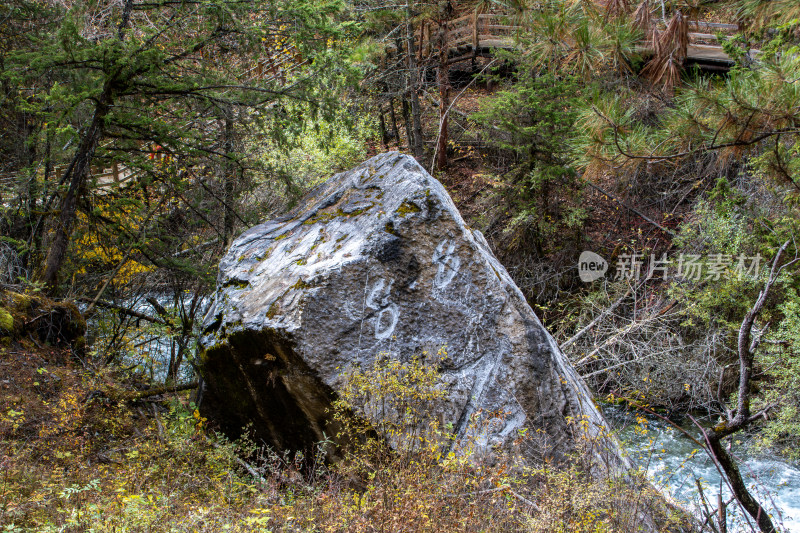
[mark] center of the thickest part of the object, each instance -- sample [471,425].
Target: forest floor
[76,454]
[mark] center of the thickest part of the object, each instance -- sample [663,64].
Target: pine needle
[615,8]
[670,49]
[643,17]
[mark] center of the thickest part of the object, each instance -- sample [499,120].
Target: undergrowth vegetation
[79,455]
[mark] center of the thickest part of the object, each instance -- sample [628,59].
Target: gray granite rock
[379,261]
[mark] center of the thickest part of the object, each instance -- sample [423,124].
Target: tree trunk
[187,326]
[27,136]
[407,119]
[416,116]
[414,78]
[739,487]
[75,175]
[395,130]
[444,97]
[723,519]
[382,125]
[747,348]
[28,132]
[229,181]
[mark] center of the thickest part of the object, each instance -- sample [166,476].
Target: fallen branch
[525,501]
[163,389]
[630,328]
[125,310]
[501,488]
[250,468]
[477,492]
[594,322]
[195,248]
[160,310]
[34,319]
[461,158]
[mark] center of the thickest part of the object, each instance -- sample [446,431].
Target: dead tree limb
[156,391]
[594,322]
[747,346]
[116,307]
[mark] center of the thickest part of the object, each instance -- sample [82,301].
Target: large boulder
[379,261]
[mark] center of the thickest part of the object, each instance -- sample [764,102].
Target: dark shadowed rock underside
[379,261]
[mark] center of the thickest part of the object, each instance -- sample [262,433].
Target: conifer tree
[137,83]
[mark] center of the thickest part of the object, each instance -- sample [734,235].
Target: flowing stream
[675,462]
[149,346]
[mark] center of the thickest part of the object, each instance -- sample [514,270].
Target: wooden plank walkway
[476,34]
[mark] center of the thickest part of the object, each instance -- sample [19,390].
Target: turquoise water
[675,463]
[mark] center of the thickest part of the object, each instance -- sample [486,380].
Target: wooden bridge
[105,179]
[476,34]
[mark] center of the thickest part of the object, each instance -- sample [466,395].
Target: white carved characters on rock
[447,263]
[388,312]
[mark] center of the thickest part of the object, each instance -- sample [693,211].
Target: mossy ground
[38,317]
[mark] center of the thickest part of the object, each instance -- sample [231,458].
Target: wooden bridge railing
[484,30]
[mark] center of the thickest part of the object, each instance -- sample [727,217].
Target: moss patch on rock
[6,321]
[407,208]
[48,321]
